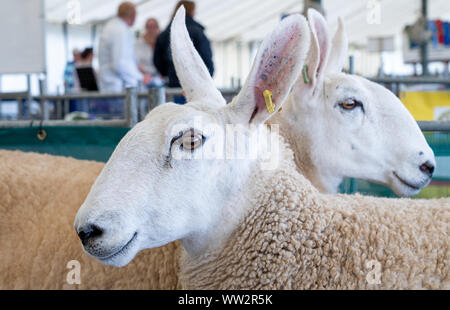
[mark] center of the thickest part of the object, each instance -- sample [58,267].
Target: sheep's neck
[265,190]
[239,198]
[300,142]
[227,218]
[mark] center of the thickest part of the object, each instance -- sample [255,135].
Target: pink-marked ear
[339,51]
[194,77]
[277,65]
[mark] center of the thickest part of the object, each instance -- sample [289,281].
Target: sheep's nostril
[427,168]
[90,231]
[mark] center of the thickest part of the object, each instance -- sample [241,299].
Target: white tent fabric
[235,28]
[248,20]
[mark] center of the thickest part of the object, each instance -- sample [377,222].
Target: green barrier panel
[93,143]
[98,143]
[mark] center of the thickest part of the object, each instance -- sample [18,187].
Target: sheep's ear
[338,54]
[277,65]
[318,55]
[194,77]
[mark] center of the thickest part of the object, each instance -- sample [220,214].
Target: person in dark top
[162,57]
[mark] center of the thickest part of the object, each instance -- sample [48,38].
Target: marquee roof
[248,20]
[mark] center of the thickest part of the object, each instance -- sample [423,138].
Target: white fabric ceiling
[247,20]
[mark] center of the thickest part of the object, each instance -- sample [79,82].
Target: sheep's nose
[88,232]
[427,168]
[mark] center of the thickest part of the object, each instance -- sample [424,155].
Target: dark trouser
[179,99]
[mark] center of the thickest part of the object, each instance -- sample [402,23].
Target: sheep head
[179,173]
[351,127]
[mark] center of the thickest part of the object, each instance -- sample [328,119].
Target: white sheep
[245,222]
[341,125]
[62,201]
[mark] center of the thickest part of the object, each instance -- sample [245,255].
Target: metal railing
[135,106]
[443,126]
[20,98]
[138,104]
[393,83]
[61,108]
[411,80]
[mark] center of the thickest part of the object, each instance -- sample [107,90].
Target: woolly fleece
[39,197]
[297,238]
[333,237]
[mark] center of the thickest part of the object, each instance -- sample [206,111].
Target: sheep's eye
[191,140]
[349,104]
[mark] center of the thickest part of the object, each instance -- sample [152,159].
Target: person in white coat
[144,49]
[118,68]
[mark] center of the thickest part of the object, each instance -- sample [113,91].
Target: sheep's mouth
[415,187]
[123,249]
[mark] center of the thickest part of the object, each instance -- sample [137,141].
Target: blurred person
[86,57]
[118,68]
[162,57]
[85,63]
[70,78]
[84,60]
[144,48]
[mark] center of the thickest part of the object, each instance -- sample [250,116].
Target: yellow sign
[427,106]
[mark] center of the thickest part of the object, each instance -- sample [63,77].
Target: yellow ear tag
[268,98]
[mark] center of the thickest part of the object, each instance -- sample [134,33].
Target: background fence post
[131,106]
[44,104]
[351,64]
[156,96]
